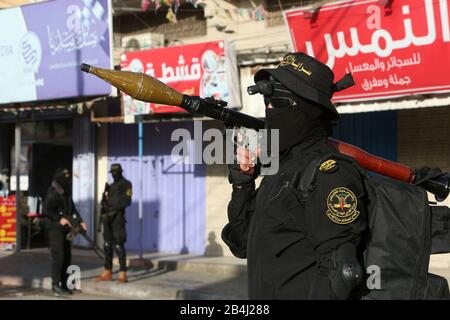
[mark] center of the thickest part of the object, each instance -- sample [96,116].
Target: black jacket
[287,241]
[57,205]
[119,195]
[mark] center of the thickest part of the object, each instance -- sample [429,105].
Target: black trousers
[61,252]
[115,236]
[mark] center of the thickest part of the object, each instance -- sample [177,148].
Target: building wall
[423,137]
[224,21]
[83,165]
[101,172]
[218,194]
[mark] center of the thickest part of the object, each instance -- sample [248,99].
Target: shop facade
[43,121]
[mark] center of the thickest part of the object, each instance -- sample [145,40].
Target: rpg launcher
[143,87]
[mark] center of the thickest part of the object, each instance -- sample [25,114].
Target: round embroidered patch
[342,203]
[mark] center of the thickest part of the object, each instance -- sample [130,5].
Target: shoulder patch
[342,203]
[329,165]
[129,193]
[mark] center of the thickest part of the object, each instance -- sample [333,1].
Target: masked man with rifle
[116,198]
[59,210]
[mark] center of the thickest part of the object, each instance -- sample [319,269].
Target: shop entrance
[46,146]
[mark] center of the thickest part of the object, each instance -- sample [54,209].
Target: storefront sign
[392,48]
[8,220]
[203,69]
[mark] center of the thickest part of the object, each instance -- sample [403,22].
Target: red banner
[8,220]
[393,48]
[197,69]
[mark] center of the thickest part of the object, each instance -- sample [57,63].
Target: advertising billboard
[42,46]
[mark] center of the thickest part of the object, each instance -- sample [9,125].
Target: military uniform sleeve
[240,211]
[335,215]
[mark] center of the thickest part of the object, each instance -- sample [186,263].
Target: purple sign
[45,44]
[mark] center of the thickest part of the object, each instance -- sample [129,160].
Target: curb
[122,291]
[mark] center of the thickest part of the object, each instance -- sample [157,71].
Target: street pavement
[27,293]
[162,277]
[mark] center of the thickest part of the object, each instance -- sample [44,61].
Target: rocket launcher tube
[373,163]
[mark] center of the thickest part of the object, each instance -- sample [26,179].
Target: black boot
[67,289]
[57,289]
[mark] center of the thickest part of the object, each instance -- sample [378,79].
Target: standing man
[301,241]
[59,210]
[116,198]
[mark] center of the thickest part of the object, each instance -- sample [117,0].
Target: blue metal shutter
[174,194]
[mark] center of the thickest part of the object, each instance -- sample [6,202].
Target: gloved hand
[246,170]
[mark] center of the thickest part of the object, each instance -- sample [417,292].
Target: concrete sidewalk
[169,276]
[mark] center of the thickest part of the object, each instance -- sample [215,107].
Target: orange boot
[105,276]
[122,277]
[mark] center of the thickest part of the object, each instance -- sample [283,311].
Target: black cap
[61,173]
[115,168]
[308,78]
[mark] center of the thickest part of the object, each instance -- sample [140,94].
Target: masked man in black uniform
[58,205]
[116,198]
[297,246]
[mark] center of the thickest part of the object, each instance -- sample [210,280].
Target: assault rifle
[75,229]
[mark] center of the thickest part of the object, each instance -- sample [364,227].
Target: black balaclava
[298,120]
[63,178]
[117,175]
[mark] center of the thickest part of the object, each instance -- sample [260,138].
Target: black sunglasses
[279,102]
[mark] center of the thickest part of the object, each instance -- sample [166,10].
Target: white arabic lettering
[394,80]
[380,36]
[181,72]
[376,65]
[370,84]
[444,20]
[150,70]
[385,65]
[76,36]
[400,63]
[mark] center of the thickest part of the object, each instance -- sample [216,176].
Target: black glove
[240,178]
